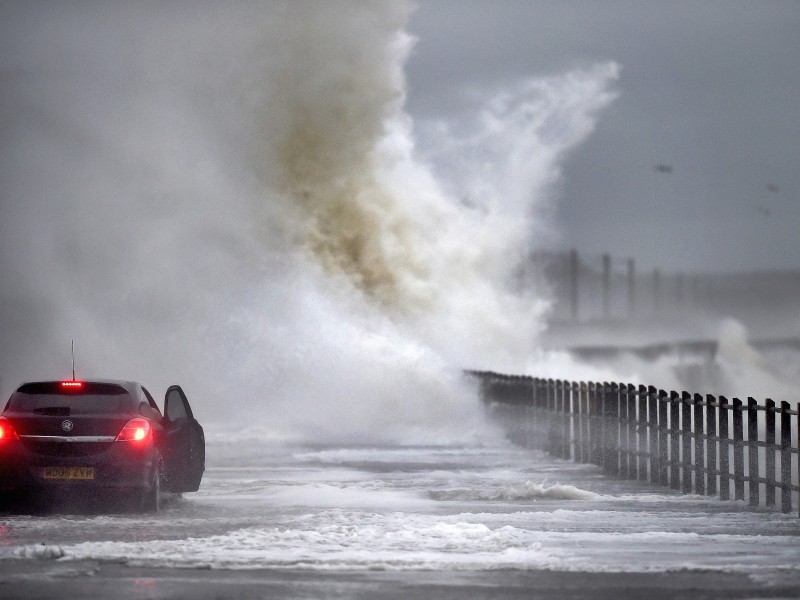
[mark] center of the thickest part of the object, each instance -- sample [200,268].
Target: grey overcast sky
[710,88]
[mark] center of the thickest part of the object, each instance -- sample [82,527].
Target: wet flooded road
[462,517]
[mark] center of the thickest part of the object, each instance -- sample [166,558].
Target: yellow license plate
[69,472]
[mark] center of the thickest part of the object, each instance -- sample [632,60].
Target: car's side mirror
[176,407]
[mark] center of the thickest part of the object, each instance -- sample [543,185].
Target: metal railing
[690,442]
[589,287]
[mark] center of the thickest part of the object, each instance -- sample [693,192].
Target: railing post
[530,434]
[544,415]
[653,450]
[621,392]
[566,430]
[724,454]
[622,429]
[786,458]
[524,389]
[738,450]
[601,424]
[699,446]
[558,449]
[769,462]
[631,426]
[642,429]
[606,412]
[570,431]
[558,402]
[663,445]
[595,430]
[511,400]
[584,422]
[561,386]
[555,419]
[611,462]
[602,430]
[548,414]
[711,445]
[674,436]
[576,419]
[529,412]
[686,436]
[752,447]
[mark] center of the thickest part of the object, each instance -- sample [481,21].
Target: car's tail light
[7,430]
[71,385]
[135,430]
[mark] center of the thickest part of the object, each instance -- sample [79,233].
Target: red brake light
[73,385]
[7,431]
[135,430]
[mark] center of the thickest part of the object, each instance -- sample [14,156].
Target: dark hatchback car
[102,437]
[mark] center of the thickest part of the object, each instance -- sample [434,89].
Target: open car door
[185,448]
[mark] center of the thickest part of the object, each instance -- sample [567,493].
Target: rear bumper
[114,464]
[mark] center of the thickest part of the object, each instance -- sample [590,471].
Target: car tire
[151,496]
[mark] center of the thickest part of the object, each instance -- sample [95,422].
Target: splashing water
[237,204]
[743,370]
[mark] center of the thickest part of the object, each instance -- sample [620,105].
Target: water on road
[457,509]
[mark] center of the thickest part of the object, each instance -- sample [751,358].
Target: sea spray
[236,204]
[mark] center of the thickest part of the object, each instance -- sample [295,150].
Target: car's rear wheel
[151,496]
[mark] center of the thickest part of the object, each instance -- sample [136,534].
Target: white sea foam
[340,539]
[529,491]
[41,551]
[333,540]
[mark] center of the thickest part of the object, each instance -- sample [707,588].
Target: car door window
[175,408]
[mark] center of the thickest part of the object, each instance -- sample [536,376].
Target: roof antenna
[73,360]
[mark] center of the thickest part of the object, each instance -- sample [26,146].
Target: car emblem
[67,425]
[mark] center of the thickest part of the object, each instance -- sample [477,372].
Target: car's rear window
[51,397]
